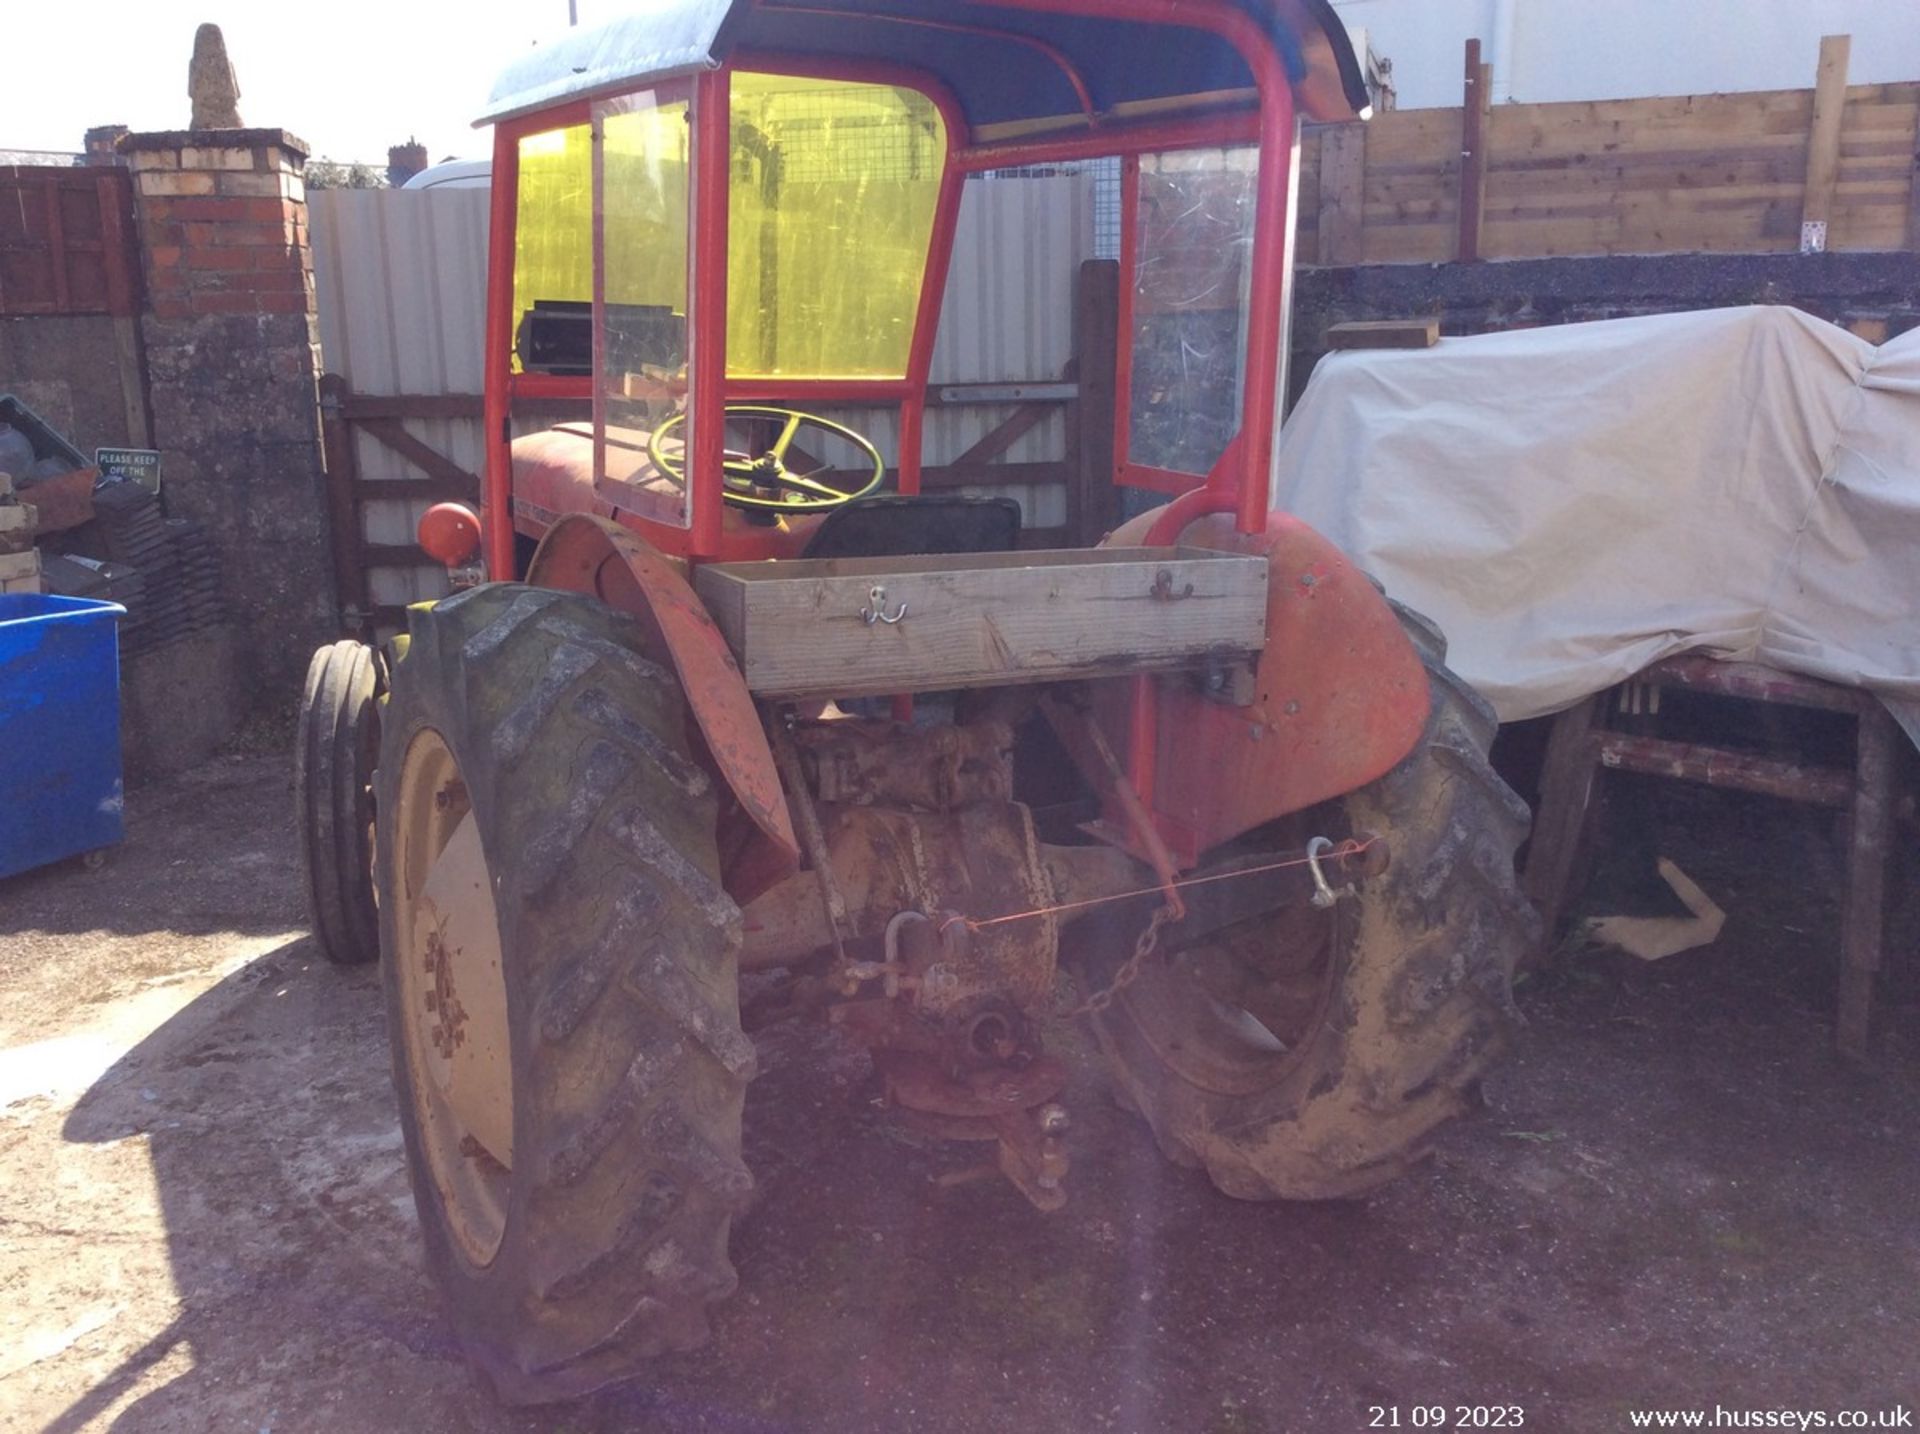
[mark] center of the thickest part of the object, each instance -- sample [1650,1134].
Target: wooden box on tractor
[868,626]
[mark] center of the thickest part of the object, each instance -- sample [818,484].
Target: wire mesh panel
[1104,190]
[829,132]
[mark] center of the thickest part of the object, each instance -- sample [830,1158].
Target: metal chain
[1130,972]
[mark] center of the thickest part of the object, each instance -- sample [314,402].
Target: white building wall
[1543,50]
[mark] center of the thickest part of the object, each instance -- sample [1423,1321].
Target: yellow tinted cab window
[553,226]
[831,213]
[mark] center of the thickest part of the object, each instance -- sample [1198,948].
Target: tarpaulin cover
[1574,503]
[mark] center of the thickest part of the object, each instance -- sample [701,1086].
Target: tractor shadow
[1676,1192]
[289,1290]
[266,1113]
[876,1295]
[872,1294]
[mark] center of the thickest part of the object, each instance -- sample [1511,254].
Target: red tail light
[449,533]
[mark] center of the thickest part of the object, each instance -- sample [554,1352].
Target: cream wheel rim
[453,996]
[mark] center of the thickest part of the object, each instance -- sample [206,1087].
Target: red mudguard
[1340,696]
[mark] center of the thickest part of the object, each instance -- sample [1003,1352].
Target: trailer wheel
[561,990]
[1310,1054]
[335,748]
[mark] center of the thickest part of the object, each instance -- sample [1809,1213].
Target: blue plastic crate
[59,728]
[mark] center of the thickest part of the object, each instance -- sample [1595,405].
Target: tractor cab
[721,235]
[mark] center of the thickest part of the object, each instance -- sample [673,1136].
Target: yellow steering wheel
[764,481]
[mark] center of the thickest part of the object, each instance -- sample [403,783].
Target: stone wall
[66,368]
[233,361]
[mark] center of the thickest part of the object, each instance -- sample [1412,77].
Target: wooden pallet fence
[67,242]
[1827,168]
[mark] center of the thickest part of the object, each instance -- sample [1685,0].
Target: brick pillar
[233,358]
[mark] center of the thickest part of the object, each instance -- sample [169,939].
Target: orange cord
[1341,852]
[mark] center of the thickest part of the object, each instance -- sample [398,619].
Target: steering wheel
[765,482]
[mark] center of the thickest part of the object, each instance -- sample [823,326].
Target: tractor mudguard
[587,554]
[1340,695]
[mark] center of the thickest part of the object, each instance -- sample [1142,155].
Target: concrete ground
[1676,1197]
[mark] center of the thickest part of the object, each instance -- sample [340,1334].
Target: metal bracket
[1229,684]
[1324,895]
[813,838]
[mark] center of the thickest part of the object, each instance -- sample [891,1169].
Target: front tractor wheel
[561,990]
[1310,1054]
[334,752]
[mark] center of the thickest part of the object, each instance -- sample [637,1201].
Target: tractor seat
[898,526]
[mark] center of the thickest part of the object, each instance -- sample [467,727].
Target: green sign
[142,465]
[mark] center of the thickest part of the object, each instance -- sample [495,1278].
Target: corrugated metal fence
[401,279]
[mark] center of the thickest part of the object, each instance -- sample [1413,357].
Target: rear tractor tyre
[1310,1054]
[334,752]
[561,975]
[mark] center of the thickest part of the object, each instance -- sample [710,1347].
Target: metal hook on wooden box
[876,608]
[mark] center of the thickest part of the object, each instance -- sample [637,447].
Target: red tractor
[737,699]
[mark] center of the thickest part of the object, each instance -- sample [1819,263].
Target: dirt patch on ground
[1676,1197]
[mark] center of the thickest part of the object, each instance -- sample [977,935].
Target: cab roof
[1010,68]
